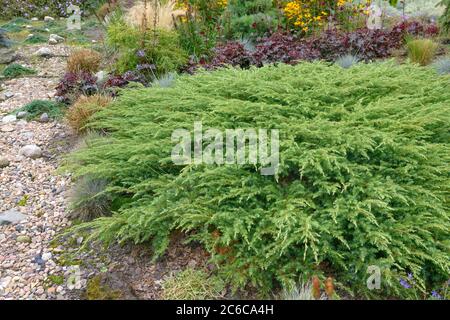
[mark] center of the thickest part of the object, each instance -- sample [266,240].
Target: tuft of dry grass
[84,108]
[422,51]
[164,13]
[86,60]
[106,9]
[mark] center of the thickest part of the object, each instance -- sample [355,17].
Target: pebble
[11,216]
[44,118]
[21,114]
[3,162]
[23,239]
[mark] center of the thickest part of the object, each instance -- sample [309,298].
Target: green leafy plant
[158,50]
[200,27]
[16,70]
[422,51]
[191,284]
[363,175]
[36,108]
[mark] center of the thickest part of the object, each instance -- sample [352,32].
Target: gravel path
[31,266]
[31,187]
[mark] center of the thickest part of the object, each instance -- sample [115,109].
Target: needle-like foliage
[363,178]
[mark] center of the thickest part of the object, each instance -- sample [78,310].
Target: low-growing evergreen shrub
[16,70]
[363,177]
[36,108]
[35,38]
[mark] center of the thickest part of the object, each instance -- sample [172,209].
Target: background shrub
[84,60]
[41,8]
[445,17]
[363,177]
[84,108]
[152,53]
[250,19]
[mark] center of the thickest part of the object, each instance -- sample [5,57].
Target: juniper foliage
[363,178]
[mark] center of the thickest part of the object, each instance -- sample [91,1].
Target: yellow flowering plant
[310,15]
[200,26]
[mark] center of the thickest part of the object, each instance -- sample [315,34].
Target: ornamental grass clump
[84,60]
[79,114]
[422,51]
[363,178]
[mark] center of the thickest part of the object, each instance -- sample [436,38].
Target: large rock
[31,151]
[11,216]
[8,119]
[7,55]
[44,52]
[55,39]
[48,19]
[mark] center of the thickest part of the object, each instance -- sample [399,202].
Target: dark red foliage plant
[72,85]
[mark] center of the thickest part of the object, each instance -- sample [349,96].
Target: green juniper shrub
[15,25]
[16,70]
[36,108]
[250,19]
[35,38]
[363,177]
